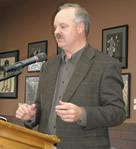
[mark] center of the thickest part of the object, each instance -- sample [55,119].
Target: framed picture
[115,43]
[31,86]
[126,92]
[8,87]
[35,48]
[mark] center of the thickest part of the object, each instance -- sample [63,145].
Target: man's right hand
[26,112]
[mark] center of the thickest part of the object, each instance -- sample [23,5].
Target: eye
[63,26]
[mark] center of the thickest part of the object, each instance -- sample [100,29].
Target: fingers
[26,112]
[33,106]
[68,112]
[63,106]
[21,111]
[67,115]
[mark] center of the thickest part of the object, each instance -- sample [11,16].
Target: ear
[81,27]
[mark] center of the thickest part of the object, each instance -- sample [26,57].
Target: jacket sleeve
[111,110]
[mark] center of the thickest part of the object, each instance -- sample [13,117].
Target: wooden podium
[16,137]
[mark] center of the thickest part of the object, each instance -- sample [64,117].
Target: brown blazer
[96,85]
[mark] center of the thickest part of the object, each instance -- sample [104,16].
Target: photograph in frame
[126,92]
[35,48]
[8,87]
[31,86]
[115,43]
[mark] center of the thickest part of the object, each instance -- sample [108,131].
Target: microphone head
[41,57]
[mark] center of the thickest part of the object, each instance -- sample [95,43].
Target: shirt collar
[75,57]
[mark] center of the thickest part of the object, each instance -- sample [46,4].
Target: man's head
[81,15]
[72,25]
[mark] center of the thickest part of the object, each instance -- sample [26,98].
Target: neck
[72,50]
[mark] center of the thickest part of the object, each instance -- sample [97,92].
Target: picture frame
[126,92]
[31,86]
[8,87]
[35,48]
[115,43]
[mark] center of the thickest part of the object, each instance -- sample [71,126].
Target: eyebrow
[60,24]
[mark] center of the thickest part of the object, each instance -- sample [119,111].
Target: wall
[26,22]
[123,136]
[31,21]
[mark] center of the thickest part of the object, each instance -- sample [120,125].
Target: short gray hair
[81,15]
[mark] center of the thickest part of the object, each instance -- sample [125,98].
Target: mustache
[59,36]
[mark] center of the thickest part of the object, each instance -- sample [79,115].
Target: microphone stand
[12,74]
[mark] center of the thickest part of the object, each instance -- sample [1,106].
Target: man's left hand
[69,112]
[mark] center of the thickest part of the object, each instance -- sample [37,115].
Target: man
[80,90]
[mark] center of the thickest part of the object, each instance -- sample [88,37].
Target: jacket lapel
[52,80]
[83,66]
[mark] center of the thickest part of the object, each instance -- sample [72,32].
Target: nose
[57,30]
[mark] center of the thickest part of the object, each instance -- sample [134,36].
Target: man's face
[66,30]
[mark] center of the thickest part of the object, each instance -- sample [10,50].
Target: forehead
[65,15]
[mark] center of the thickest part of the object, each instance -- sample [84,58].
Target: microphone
[38,58]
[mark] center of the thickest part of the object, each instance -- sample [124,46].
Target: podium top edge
[8,125]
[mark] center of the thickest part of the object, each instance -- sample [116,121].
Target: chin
[60,46]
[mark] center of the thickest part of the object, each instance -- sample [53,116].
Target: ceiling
[8,3]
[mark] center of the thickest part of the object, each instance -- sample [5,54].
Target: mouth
[59,40]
